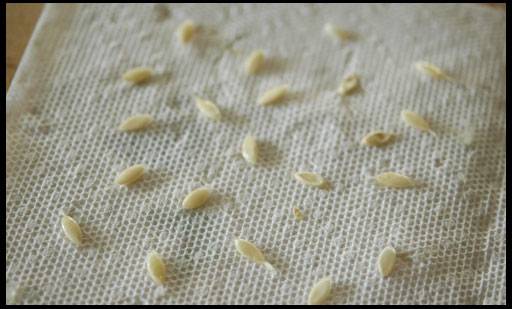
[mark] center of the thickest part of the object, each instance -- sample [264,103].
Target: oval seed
[186,31]
[156,267]
[336,33]
[250,149]
[136,122]
[273,95]
[130,175]
[377,138]
[386,261]
[320,292]
[310,179]
[196,198]
[394,180]
[71,229]
[250,251]
[138,75]
[415,120]
[431,70]
[208,108]
[254,62]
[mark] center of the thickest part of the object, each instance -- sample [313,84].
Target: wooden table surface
[21,19]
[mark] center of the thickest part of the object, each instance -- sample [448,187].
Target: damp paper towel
[64,152]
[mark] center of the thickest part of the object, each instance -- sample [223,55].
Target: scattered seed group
[71,229]
[156,267]
[130,175]
[138,75]
[254,62]
[394,180]
[273,95]
[320,292]
[386,261]
[196,198]
[208,109]
[136,123]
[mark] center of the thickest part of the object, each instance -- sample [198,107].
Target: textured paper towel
[63,153]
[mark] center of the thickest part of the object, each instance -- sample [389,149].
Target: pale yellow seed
[136,122]
[254,62]
[377,138]
[348,85]
[386,261]
[394,180]
[71,229]
[415,120]
[138,75]
[299,216]
[310,179]
[186,31]
[250,251]
[336,32]
[156,267]
[250,149]
[208,109]
[196,198]
[431,70]
[130,175]
[273,95]
[320,292]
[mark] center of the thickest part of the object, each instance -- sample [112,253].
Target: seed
[386,261]
[250,149]
[432,70]
[71,229]
[394,180]
[377,138]
[348,85]
[415,120]
[196,198]
[273,95]
[208,108]
[254,62]
[250,251]
[136,122]
[156,267]
[138,75]
[186,31]
[130,175]
[299,216]
[336,33]
[320,292]
[310,179]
